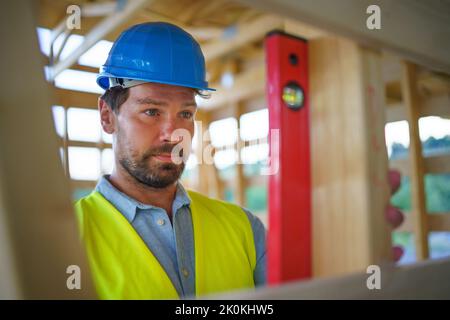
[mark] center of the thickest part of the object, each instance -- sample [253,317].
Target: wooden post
[349,158]
[241,181]
[412,103]
[208,180]
[238,107]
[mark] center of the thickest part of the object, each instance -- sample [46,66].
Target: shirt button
[161,222]
[185,272]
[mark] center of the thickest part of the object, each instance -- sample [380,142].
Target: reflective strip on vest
[123,267]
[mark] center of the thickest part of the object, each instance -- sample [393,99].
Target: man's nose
[167,128]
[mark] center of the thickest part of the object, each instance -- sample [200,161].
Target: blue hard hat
[156,52]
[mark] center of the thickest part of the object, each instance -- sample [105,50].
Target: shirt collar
[129,206]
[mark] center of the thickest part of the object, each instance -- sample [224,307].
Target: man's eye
[187,114]
[151,112]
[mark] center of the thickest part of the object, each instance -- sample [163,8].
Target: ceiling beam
[199,33]
[438,222]
[431,106]
[107,25]
[246,85]
[241,35]
[438,164]
[416,30]
[70,98]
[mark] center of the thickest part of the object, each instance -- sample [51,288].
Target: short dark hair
[116,96]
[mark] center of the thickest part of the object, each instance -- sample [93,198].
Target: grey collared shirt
[173,243]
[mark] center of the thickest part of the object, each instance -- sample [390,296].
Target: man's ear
[107,117]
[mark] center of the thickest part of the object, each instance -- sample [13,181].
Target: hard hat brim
[103,82]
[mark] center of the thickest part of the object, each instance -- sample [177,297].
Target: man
[146,236]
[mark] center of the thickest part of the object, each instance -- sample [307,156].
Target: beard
[152,173]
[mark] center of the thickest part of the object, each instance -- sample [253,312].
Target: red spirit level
[289,237]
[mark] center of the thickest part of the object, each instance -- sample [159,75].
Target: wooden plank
[437,164]
[423,280]
[349,160]
[208,180]
[41,229]
[431,106]
[245,34]
[250,84]
[89,144]
[425,43]
[199,33]
[240,180]
[434,84]
[238,109]
[393,92]
[302,30]
[82,184]
[418,200]
[246,85]
[65,144]
[438,222]
[70,98]
[80,67]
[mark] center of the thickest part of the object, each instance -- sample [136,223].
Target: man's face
[143,132]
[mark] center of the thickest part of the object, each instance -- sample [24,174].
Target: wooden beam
[302,30]
[97,33]
[428,83]
[199,33]
[434,164]
[430,106]
[418,200]
[438,222]
[250,84]
[423,280]
[208,180]
[433,83]
[413,29]
[80,67]
[189,10]
[70,98]
[393,92]
[246,85]
[349,160]
[244,35]
[233,67]
[82,184]
[88,144]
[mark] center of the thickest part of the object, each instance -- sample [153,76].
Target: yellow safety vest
[123,267]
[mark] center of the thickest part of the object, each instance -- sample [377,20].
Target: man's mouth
[164,157]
